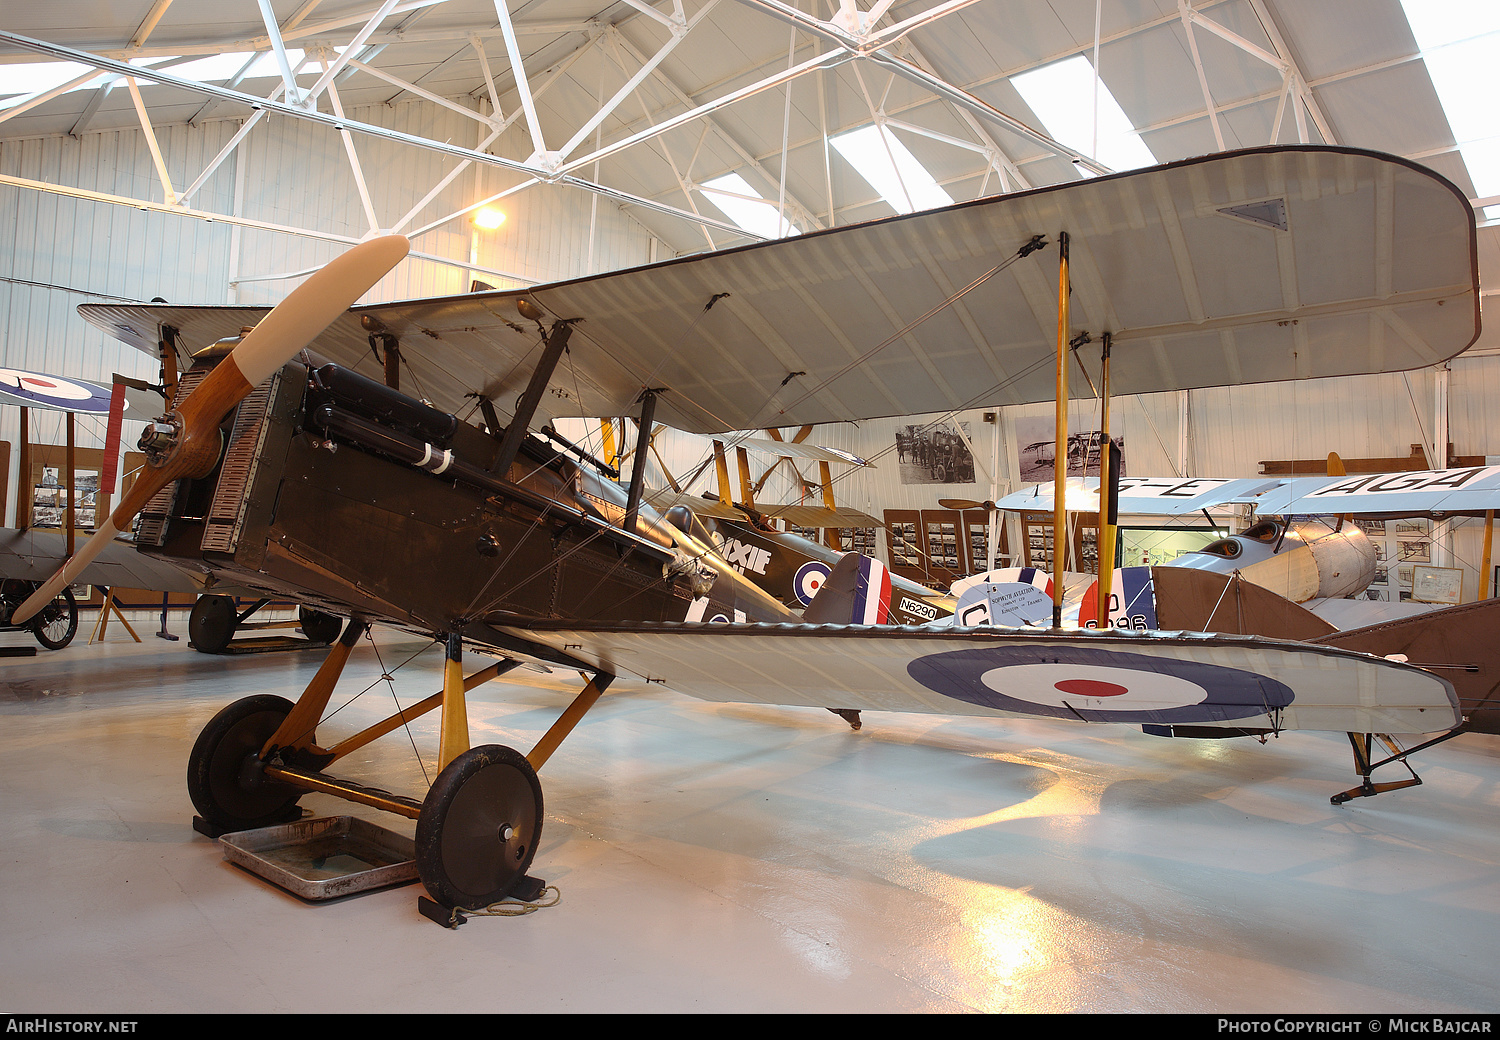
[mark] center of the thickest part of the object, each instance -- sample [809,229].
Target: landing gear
[1364,744]
[318,626]
[479,827]
[56,624]
[225,778]
[212,623]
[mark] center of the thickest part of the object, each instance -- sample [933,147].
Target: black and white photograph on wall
[49,500]
[934,454]
[1036,438]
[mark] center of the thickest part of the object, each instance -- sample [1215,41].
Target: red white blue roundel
[1093,684]
[36,390]
[810,578]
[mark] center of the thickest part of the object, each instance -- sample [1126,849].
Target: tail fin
[857,592]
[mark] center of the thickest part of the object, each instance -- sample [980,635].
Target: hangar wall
[58,252]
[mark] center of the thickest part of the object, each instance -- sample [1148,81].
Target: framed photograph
[1437,584]
[1416,550]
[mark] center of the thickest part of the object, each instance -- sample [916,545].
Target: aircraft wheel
[318,626]
[479,827]
[212,623]
[224,777]
[57,623]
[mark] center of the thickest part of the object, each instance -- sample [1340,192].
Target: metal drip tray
[324,858]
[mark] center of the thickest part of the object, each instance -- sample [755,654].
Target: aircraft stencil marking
[743,557]
[1098,685]
[1447,478]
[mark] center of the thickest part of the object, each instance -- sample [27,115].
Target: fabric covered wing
[1255,266]
[1168,679]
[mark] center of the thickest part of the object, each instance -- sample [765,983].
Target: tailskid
[1363,744]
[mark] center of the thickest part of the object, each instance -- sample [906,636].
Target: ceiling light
[488,218]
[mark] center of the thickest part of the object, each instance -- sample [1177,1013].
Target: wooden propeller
[189,436]
[964,503]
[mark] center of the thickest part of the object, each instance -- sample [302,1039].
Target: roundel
[810,578]
[1099,685]
[36,388]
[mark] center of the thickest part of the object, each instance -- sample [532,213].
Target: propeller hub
[159,438]
[190,455]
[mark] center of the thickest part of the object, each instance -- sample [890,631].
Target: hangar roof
[652,103]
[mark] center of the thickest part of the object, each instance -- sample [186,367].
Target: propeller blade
[964,503]
[292,325]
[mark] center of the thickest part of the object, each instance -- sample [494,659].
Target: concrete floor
[739,858]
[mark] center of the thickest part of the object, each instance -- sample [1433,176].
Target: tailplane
[856,592]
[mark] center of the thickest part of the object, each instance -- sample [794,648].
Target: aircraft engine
[1312,560]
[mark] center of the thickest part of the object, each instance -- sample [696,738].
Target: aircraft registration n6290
[339,490]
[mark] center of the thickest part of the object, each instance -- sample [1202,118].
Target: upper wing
[1165,496]
[1147,678]
[1469,491]
[1263,265]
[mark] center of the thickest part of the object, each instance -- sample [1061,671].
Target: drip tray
[324,858]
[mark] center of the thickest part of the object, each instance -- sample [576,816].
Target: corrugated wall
[57,252]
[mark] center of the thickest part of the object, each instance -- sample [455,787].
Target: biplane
[285,466]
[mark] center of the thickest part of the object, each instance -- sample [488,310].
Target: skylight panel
[1458,41]
[733,196]
[1062,96]
[34,77]
[890,168]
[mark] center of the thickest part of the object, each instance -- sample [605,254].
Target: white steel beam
[148,24]
[384,133]
[278,47]
[477,43]
[513,50]
[682,98]
[236,221]
[354,165]
[421,92]
[824,60]
[161,166]
[348,53]
[226,151]
[1185,12]
[679,33]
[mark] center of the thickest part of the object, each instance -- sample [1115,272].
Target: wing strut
[1060,449]
[638,468]
[515,433]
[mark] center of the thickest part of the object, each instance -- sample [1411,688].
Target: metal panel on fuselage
[354,531]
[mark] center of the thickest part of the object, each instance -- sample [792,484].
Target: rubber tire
[63,604]
[318,626]
[212,623]
[221,770]
[461,857]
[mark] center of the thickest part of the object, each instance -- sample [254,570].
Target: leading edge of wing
[1087,676]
